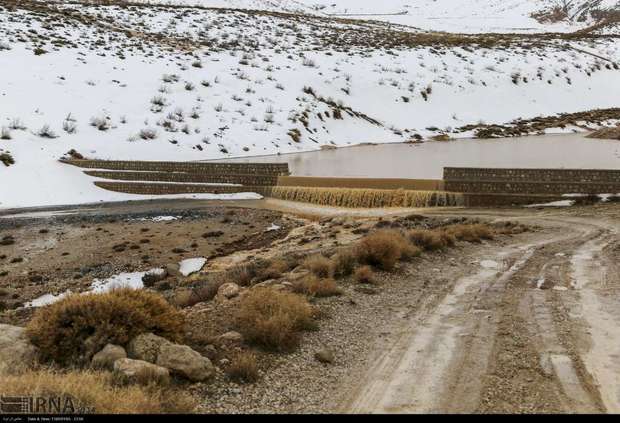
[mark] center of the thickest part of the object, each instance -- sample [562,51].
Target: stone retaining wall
[531,181]
[168,189]
[212,178]
[532,175]
[189,167]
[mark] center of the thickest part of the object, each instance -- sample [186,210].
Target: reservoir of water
[427,160]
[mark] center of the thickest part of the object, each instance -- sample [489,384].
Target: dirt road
[534,328]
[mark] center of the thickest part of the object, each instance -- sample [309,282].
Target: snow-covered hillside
[192,84]
[468,16]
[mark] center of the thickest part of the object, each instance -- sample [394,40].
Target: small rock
[183,360]
[105,358]
[173,270]
[230,337]
[228,290]
[146,347]
[325,355]
[141,372]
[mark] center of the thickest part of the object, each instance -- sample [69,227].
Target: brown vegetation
[96,391]
[381,249]
[470,233]
[71,330]
[319,265]
[344,262]
[243,367]
[273,319]
[364,274]
[315,286]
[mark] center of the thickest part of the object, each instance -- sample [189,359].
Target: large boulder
[16,351]
[140,372]
[146,347]
[106,358]
[184,361]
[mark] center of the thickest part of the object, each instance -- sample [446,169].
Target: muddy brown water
[428,159]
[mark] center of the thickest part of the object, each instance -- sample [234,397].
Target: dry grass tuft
[365,274]
[315,286]
[427,239]
[243,367]
[344,262]
[275,269]
[96,391]
[242,274]
[273,319]
[381,249]
[71,330]
[470,233]
[319,265]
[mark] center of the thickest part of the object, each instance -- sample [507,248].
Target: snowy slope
[214,84]
[468,16]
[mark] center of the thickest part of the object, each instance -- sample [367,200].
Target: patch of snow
[561,203]
[46,299]
[192,265]
[131,280]
[160,218]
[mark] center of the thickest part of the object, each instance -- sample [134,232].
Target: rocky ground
[520,323]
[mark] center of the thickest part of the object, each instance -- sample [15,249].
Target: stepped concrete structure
[461,185]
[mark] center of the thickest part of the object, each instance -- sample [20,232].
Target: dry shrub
[381,249]
[408,251]
[427,239]
[243,367]
[274,269]
[96,391]
[319,265]
[71,330]
[471,232]
[242,274]
[273,319]
[314,286]
[364,274]
[344,262]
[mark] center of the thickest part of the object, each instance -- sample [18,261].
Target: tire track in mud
[510,339]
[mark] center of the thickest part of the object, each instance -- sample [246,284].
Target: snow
[160,218]
[192,265]
[46,300]
[459,16]
[561,203]
[247,84]
[132,280]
